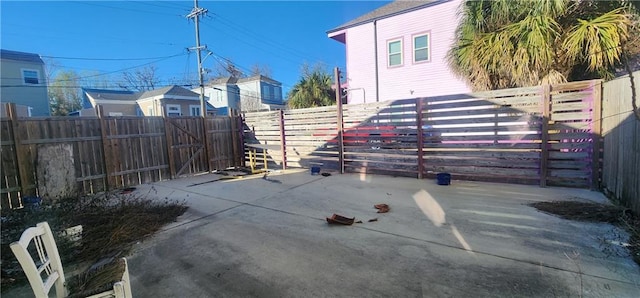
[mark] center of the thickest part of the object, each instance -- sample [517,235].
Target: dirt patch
[594,212]
[111,224]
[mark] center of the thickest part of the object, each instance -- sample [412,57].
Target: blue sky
[280,34]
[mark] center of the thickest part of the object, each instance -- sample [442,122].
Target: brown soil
[112,224]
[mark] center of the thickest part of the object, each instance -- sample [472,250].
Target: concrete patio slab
[269,238]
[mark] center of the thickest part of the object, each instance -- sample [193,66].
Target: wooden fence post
[205,140]
[339,120]
[420,141]
[107,150]
[169,138]
[596,134]
[240,131]
[544,143]
[234,139]
[27,186]
[283,142]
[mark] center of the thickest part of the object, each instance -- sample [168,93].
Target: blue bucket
[443,178]
[315,170]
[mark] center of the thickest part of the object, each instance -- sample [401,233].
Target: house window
[30,77]
[194,110]
[394,50]
[276,93]
[173,110]
[115,114]
[150,111]
[421,48]
[266,94]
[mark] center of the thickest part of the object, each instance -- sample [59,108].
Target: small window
[194,110]
[30,76]
[421,48]
[394,49]
[150,111]
[115,114]
[173,110]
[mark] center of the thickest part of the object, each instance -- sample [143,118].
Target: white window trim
[191,107]
[428,48]
[150,110]
[22,70]
[169,112]
[389,54]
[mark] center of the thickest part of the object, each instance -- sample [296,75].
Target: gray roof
[389,10]
[20,56]
[133,96]
[112,94]
[225,80]
[259,78]
[169,90]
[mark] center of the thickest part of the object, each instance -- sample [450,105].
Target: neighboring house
[399,51]
[246,94]
[260,93]
[23,82]
[223,94]
[175,100]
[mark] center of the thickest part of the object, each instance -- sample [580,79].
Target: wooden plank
[544,143]
[60,140]
[580,85]
[566,116]
[493,163]
[596,134]
[107,149]
[22,160]
[339,121]
[420,137]
[283,141]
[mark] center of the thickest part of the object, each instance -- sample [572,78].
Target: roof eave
[425,5]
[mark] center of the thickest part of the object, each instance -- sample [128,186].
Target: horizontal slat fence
[534,135]
[114,152]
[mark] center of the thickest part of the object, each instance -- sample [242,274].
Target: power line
[104,59]
[128,68]
[129,9]
[157,4]
[266,41]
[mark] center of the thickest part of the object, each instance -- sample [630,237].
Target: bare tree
[250,102]
[142,79]
[226,68]
[261,69]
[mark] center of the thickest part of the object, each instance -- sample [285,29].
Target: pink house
[399,51]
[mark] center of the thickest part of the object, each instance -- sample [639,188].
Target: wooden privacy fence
[535,135]
[621,132]
[102,153]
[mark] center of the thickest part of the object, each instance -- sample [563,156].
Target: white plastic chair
[47,271]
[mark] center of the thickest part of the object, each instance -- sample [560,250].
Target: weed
[111,224]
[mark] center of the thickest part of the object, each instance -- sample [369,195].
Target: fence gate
[187,142]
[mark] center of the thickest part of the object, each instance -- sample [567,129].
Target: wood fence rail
[535,135]
[95,154]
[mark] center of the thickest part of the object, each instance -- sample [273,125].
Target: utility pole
[195,15]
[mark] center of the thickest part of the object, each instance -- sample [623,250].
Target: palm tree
[313,90]
[513,43]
